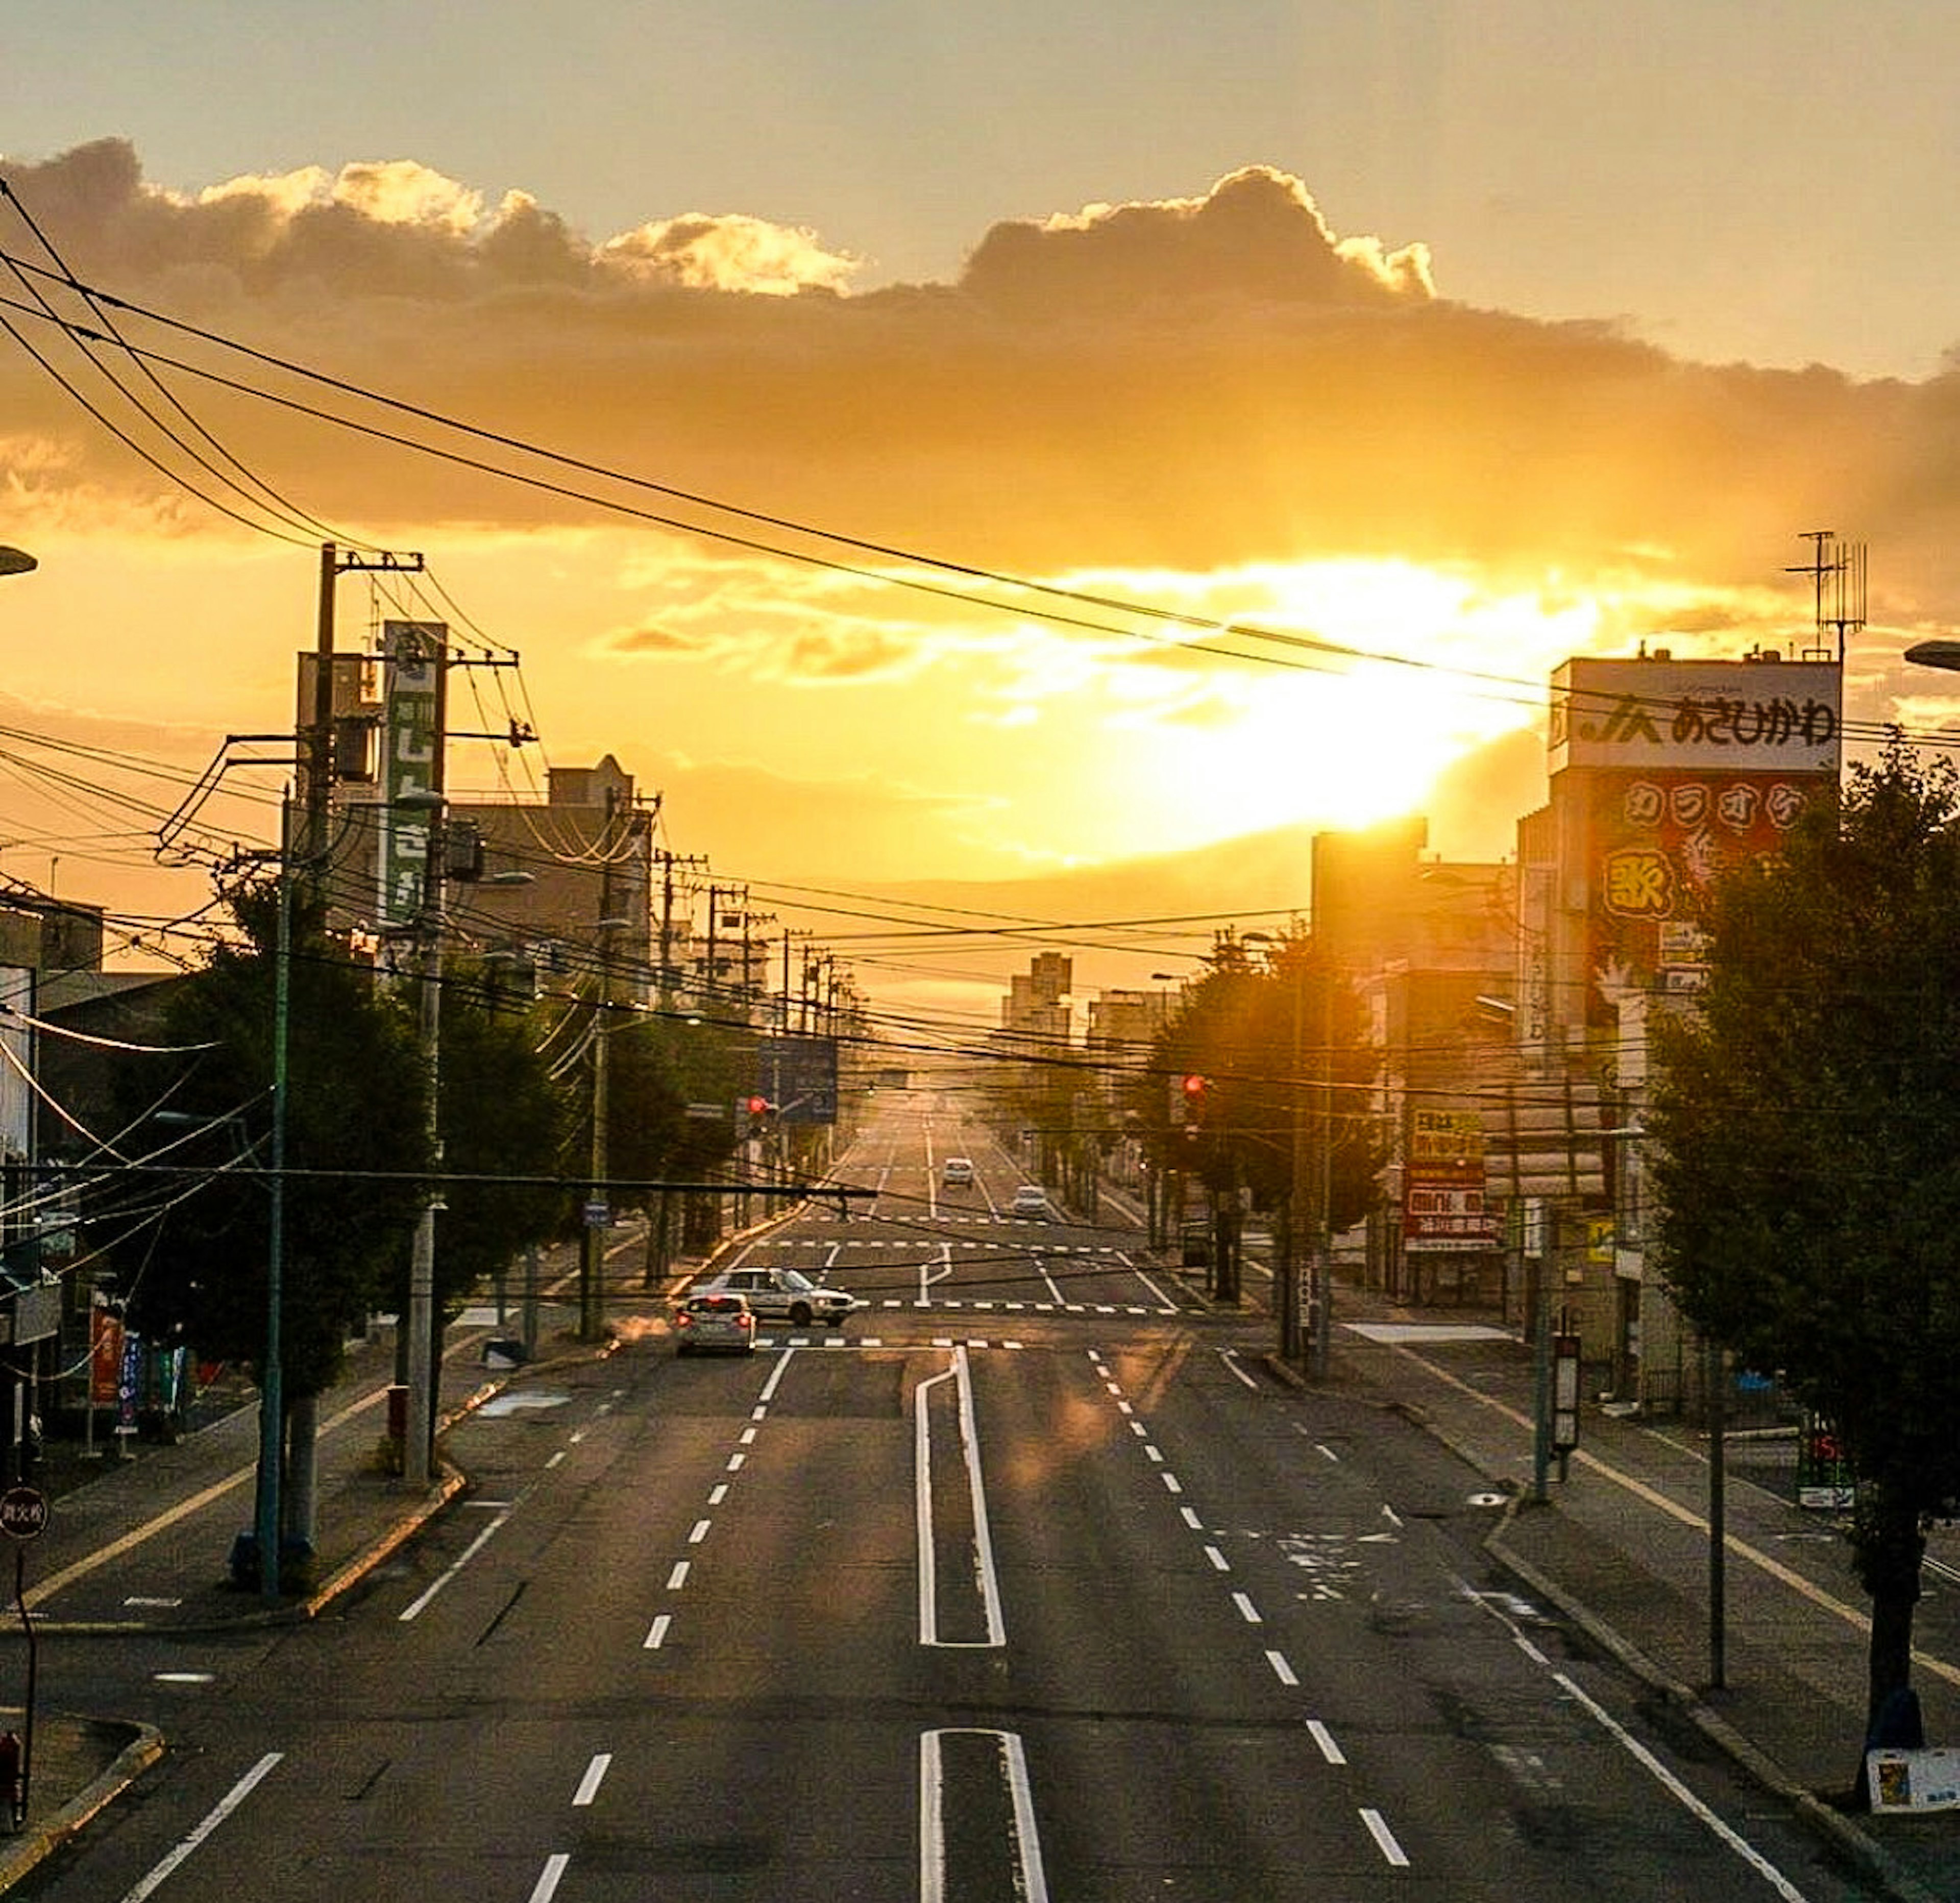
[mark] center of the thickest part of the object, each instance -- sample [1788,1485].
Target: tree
[356,1136]
[1282,1046]
[1805,1155]
[658,1066]
[501,1116]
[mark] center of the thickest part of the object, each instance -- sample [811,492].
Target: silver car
[782,1295]
[706,1323]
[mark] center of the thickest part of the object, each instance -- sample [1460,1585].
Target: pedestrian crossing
[904,1304]
[914,1243]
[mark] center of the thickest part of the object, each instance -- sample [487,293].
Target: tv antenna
[1836,570]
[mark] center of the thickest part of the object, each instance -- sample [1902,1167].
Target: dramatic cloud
[1184,385]
[1193,387]
[1257,235]
[1190,383]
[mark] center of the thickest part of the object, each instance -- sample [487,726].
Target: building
[1662,773]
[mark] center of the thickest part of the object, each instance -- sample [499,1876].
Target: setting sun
[1310,726]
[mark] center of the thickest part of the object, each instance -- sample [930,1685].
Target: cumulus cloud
[1257,233]
[729,253]
[1185,384]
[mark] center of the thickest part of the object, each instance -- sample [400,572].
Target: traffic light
[758,1108]
[1188,1099]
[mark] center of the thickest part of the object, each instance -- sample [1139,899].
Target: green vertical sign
[411,727]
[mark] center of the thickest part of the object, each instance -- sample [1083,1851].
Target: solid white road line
[1029,1878]
[960,1374]
[222,1809]
[414,1609]
[1673,1785]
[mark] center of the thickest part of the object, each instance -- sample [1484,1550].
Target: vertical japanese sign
[1444,1207]
[412,729]
[105,1355]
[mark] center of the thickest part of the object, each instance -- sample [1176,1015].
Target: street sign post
[24,1512]
[24,1516]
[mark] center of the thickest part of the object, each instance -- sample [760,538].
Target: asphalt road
[1030,1583]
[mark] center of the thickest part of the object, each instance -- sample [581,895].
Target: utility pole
[1323,1214]
[668,860]
[418,1433]
[592,1255]
[317,760]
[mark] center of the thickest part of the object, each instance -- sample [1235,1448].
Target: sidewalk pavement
[1621,1547]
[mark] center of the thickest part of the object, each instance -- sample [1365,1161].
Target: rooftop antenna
[1836,570]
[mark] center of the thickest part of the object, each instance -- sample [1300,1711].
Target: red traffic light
[1195,1087]
[759,1107]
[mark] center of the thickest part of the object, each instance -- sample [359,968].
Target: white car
[782,1295]
[958,1173]
[1030,1199]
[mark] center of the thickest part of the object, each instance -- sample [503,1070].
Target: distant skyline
[1434,343]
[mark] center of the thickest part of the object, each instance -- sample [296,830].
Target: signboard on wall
[1656,841]
[1719,717]
[1444,1208]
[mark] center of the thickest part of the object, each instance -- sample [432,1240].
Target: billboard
[1664,773]
[1656,842]
[1723,717]
[1444,1208]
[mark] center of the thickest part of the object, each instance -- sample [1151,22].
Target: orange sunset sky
[900,537]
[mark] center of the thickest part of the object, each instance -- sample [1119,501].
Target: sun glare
[1345,742]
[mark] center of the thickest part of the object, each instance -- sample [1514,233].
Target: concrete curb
[144,1748]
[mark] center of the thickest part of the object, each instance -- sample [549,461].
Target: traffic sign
[24,1512]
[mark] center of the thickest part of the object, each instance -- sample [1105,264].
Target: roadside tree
[1277,1052]
[193,1266]
[1806,1133]
[504,1124]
